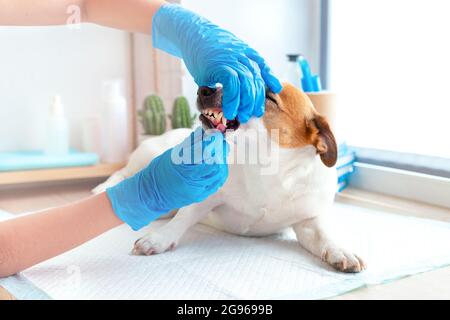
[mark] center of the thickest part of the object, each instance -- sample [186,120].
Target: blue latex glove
[186,174]
[213,55]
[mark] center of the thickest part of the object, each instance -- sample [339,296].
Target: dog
[298,195]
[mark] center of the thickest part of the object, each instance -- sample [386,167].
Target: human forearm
[129,15]
[37,12]
[29,240]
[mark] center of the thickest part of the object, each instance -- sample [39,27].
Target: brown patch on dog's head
[299,124]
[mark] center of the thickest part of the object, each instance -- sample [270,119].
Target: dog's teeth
[224,121]
[216,115]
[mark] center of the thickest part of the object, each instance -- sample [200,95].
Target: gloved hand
[213,55]
[186,174]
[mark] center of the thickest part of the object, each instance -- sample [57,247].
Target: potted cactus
[153,116]
[181,114]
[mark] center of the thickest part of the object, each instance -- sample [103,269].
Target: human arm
[169,182]
[132,16]
[34,238]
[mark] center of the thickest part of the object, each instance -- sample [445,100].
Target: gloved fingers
[196,136]
[260,106]
[226,147]
[269,78]
[198,145]
[194,146]
[248,96]
[260,91]
[210,174]
[229,79]
[219,182]
[215,159]
[210,177]
[189,151]
[201,147]
[215,150]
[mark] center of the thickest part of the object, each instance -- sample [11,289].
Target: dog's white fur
[251,204]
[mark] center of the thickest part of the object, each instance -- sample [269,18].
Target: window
[390,64]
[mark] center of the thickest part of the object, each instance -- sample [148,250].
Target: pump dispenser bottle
[114,123]
[57,143]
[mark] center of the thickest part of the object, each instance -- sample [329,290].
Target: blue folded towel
[345,166]
[32,160]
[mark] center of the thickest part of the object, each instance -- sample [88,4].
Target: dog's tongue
[221,128]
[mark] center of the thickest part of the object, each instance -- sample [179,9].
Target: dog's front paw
[153,243]
[343,261]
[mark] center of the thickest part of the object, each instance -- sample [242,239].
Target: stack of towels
[345,165]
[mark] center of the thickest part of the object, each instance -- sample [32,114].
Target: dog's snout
[209,97]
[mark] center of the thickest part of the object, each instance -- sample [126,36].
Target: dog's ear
[324,141]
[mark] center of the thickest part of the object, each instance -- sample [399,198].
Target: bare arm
[129,15]
[29,240]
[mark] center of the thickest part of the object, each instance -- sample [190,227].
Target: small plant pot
[326,104]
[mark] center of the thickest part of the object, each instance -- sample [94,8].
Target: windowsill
[393,205]
[403,184]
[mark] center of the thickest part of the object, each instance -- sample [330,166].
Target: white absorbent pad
[209,264]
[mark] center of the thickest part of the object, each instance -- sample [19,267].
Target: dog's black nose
[205,91]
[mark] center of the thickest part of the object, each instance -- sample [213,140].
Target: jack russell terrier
[298,194]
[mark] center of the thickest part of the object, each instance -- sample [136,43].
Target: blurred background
[383,67]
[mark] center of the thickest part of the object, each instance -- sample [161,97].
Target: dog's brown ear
[325,142]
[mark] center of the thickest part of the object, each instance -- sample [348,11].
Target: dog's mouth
[209,103]
[214,119]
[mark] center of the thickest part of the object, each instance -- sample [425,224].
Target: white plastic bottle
[57,143]
[114,124]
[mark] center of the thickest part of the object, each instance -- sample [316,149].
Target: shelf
[61,174]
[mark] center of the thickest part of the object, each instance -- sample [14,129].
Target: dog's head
[291,113]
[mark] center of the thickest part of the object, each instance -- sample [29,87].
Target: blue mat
[32,160]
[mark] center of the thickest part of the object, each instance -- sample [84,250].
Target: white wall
[36,63]
[274,28]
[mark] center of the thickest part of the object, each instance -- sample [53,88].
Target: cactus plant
[153,116]
[181,114]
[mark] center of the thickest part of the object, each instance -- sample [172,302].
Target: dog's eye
[272,99]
